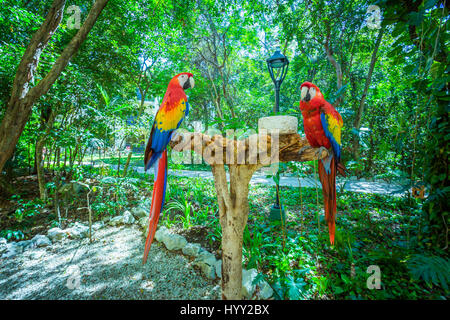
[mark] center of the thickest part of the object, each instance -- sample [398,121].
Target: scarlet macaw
[169,117]
[322,125]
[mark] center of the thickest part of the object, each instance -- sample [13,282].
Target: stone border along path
[348,184]
[63,265]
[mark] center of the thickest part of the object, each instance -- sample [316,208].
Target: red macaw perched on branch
[322,124]
[169,117]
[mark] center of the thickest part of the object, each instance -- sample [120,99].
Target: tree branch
[45,84]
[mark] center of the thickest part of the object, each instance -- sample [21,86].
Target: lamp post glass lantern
[278,66]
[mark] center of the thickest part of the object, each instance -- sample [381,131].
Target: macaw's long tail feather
[158,197]
[328,181]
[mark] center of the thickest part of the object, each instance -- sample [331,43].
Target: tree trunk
[58,158]
[65,159]
[56,198]
[82,155]
[23,96]
[74,154]
[40,170]
[233,201]
[125,169]
[48,157]
[55,158]
[233,221]
[372,147]
[118,165]
[359,113]
[29,158]
[39,162]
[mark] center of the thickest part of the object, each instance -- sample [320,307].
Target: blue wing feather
[187,108]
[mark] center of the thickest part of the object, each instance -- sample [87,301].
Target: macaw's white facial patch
[304,92]
[182,79]
[192,82]
[312,92]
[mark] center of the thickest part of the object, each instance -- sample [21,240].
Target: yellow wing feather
[168,118]
[334,126]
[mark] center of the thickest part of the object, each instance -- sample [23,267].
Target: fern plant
[431,269]
[184,206]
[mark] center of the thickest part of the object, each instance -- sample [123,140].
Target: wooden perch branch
[243,158]
[291,147]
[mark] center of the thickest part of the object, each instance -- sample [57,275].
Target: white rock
[98,225]
[36,254]
[219,269]
[137,277]
[3,243]
[143,223]
[10,254]
[12,249]
[78,231]
[116,221]
[280,124]
[128,218]
[174,241]
[56,234]
[139,212]
[206,257]
[25,244]
[191,249]
[40,240]
[160,233]
[265,291]
[209,271]
[206,261]
[248,288]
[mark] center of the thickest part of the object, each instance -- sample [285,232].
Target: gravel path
[109,268]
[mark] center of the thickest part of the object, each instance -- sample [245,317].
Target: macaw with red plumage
[172,111]
[322,125]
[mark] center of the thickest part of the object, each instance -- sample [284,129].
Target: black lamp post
[279,64]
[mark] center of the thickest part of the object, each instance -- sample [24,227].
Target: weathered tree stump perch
[243,158]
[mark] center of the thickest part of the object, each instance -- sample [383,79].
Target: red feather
[157,199]
[328,182]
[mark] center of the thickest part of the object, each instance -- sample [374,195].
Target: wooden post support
[243,159]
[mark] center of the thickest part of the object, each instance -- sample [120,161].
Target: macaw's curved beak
[189,83]
[307,97]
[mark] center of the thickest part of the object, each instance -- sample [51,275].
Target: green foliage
[182,206]
[12,234]
[26,209]
[112,193]
[431,269]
